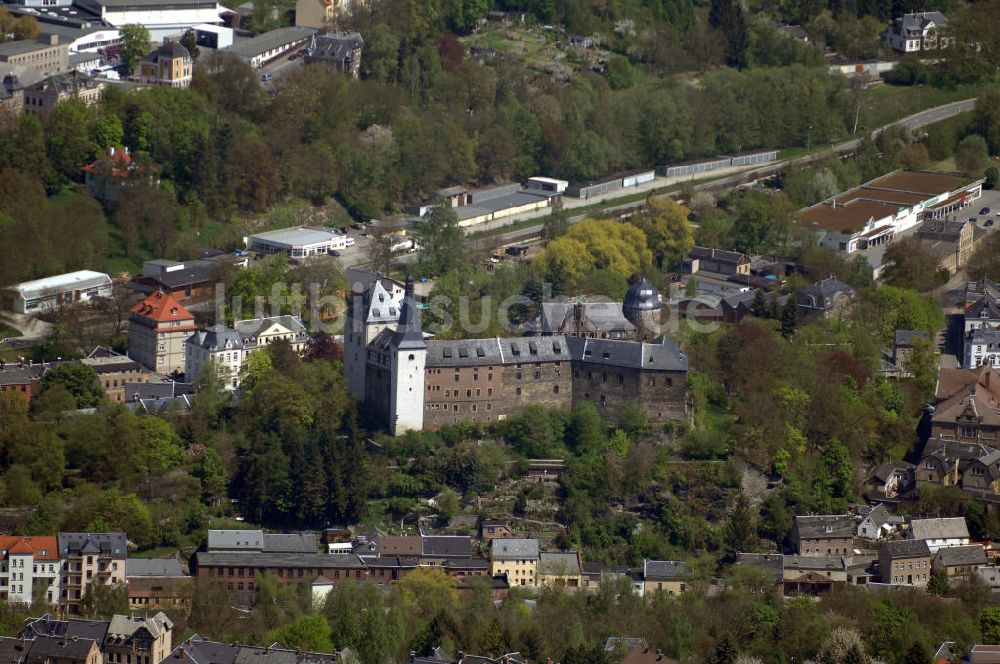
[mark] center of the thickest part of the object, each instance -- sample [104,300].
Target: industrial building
[611,183]
[259,50]
[49,293]
[701,166]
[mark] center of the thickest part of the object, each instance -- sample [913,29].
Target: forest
[219,156]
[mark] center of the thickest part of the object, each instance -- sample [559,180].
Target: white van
[350,242]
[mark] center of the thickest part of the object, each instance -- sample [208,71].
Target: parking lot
[991,220]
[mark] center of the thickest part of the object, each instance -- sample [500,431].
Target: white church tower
[368,312]
[409,359]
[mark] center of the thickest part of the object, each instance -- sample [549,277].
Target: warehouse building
[611,183]
[68,289]
[260,50]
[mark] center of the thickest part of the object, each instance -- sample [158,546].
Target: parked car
[985,210]
[334,252]
[989,222]
[293,56]
[350,242]
[495,258]
[266,77]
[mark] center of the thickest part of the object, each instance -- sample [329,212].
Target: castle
[410,380]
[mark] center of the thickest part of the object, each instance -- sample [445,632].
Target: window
[538,375]
[518,391]
[555,389]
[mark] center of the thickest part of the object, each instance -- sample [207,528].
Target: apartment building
[515,558]
[29,568]
[88,559]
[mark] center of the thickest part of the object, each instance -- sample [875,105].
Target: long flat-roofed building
[30,297]
[876,212]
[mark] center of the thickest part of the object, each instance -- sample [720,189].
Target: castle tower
[369,311]
[642,308]
[409,358]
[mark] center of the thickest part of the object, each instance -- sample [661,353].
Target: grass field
[890,103]
[7,332]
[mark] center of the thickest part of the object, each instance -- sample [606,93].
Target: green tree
[739,533]
[909,265]
[939,585]
[972,154]
[917,654]
[190,42]
[136,43]
[789,319]
[989,624]
[80,380]
[669,233]
[556,224]
[311,633]
[440,240]
[103,601]
[447,502]
[620,443]
[924,367]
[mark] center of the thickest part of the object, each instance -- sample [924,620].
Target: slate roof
[814,563]
[935,529]
[907,548]
[216,338]
[772,563]
[289,543]
[121,628]
[987,305]
[449,546]
[663,569]
[721,255]
[513,548]
[153,567]
[951,556]
[197,650]
[949,450]
[826,526]
[336,46]
[262,559]
[605,316]
[906,338]
[409,334]
[47,625]
[471,352]
[559,564]
[886,469]
[13,650]
[661,356]
[992,463]
[641,296]
[167,389]
[254,326]
[45,649]
[113,544]
[914,24]
[193,273]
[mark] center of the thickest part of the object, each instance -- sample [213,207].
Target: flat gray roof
[499,203]
[25,46]
[297,236]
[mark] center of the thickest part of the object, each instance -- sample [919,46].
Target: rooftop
[274,39]
[962,555]
[935,529]
[61,282]
[296,236]
[907,548]
[153,567]
[161,307]
[825,526]
[507,548]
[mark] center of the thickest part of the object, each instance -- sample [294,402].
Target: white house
[939,533]
[29,566]
[919,31]
[228,347]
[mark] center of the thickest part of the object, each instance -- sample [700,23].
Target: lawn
[7,332]
[890,103]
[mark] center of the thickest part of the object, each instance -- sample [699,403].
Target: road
[356,256]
